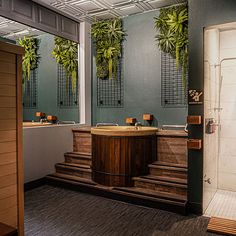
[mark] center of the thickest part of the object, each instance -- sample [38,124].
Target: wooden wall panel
[7,158]
[11,163]
[7,136]
[7,125]
[7,90]
[7,79]
[8,180]
[8,147]
[9,216]
[6,67]
[8,191]
[9,102]
[7,113]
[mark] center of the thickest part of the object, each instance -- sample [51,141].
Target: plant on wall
[172,38]
[66,54]
[31,58]
[108,36]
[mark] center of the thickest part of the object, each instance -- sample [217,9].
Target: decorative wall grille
[66,97]
[30,88]
[110,92]
[173,93]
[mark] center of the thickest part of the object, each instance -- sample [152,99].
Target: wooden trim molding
[11,48]
[20,168]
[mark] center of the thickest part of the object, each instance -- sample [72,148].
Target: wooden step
[162,201]
[162,163]
[83,171]
[166,179]
[60,176]
[170,171]
[77,158]
[222,226]
[176,199]
[161,186]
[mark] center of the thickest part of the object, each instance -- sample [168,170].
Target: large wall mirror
[50,73]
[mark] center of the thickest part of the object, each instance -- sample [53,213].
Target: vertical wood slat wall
[11,162]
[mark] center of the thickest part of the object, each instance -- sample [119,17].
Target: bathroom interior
[131,132]
[219,110]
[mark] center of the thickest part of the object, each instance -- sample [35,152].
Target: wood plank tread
[78,155]
[73,166]
[86,129]
[155,166]
[162,163]
[157,202]
[222,226]
[153,194]
[71,177]
[166,178]
[159,182]
[76,165]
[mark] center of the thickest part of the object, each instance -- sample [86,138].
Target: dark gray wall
[202,13]
[47,85]
[142,77]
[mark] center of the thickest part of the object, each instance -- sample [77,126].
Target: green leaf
[66,53]
[108,37]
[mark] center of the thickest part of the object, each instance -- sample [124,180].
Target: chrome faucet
[137,125]
[43,120]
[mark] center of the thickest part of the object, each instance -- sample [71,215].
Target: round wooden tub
[121,152]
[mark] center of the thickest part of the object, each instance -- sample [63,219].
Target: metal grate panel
[30,88]
[66,97]
[173,93]
[110,92]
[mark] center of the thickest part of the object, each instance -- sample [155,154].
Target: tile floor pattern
[222,205]
[52,211]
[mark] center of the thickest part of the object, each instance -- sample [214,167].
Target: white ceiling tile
[159,3]
[129,10]
[87,5]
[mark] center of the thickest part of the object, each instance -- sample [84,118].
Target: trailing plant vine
[31,58]
[172,38]
[66,54]
[108,36]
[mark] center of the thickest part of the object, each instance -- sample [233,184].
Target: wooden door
[11,163]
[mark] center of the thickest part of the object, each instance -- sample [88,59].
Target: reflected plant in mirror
[31,57]
[66,54]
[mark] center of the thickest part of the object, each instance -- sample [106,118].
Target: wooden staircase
[164,187]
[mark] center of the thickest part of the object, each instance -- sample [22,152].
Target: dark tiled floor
[51,211]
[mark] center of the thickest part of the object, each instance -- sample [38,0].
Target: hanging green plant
[31,58]
[172,38]
[108,37]
[66,54]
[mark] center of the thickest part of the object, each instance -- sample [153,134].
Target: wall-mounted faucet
[137,125]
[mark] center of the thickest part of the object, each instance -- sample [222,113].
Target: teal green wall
[142,77]
[47,85]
